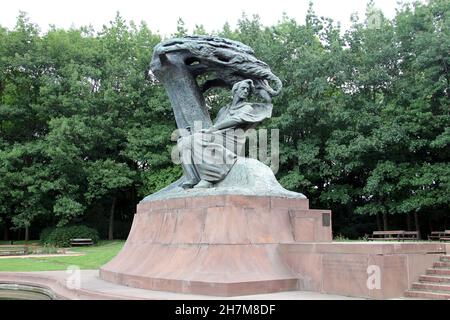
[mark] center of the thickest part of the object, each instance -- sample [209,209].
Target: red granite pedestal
[225,245]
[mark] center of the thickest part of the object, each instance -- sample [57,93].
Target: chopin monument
[216,231]
[227,227]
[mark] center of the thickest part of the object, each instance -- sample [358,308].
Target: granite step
[434,279]
[442,264]
[435,284]
[427,295]
[441,272]
[434,287]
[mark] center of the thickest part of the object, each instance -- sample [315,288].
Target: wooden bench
[445,236]
[81,242]
[410,235]
[13,250]
[436,235]
[387,235]
[398,235]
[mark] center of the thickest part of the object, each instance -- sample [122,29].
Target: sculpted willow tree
[180,64]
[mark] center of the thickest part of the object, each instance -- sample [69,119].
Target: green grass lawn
[94,258]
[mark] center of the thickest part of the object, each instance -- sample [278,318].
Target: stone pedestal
[222,245]
[373,270]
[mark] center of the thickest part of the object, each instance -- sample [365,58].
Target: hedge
[60,237]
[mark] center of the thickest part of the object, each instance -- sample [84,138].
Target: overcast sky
[162,15]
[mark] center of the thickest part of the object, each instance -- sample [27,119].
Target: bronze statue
[208,155]
[210,152]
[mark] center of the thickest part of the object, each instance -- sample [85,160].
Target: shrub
[46,249]
[45,233]
[60,237]
[340,237]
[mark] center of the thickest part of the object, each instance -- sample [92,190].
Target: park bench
[13,250]
[445,236]
[81,242]
[387,235]
[399,235]
[410,235]
[436,235]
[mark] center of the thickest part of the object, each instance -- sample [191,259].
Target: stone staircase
[435,284]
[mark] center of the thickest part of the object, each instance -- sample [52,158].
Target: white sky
[162,15]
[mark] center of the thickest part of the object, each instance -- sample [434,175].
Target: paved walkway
[69,254]
[92,287]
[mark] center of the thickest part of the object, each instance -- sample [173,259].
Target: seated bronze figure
[208,155]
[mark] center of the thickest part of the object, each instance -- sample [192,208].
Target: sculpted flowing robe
[210,156]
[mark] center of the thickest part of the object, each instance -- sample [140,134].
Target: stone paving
[91,284]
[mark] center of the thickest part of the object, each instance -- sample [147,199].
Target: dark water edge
[24,292]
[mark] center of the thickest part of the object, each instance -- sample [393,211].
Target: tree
[85,127]
[107,178]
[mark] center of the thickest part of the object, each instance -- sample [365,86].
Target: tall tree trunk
[379,226]
[111,220]
[6,231]
[416,221]
[385,221]
[27,233]
[408,222]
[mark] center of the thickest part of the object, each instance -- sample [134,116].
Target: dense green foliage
[45,233]
[364,119]
[60,237]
